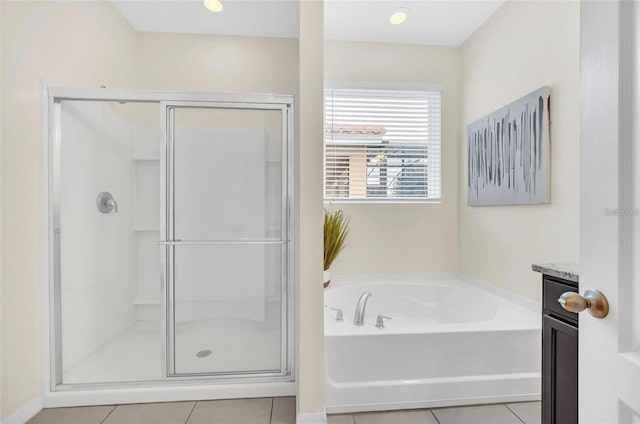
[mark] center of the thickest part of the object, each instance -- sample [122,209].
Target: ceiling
[442,23]
[266,18]
[434,22]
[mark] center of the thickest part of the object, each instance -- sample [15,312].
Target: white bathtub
[448,343]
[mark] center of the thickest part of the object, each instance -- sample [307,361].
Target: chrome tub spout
[361,306]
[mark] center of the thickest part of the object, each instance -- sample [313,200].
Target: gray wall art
[508,154]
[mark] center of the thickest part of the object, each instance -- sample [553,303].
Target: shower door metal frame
[50,258]
[168,235]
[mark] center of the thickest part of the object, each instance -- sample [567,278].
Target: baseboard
[312,418]
[442,403]
[174,392]
[24,413]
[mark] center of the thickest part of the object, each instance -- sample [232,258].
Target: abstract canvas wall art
[508,154]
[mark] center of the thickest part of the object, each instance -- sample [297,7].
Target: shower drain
[204,353]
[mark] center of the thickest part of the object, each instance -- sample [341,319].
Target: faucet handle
[380,320]
[339,315]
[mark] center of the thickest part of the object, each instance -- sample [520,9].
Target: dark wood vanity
[559,346]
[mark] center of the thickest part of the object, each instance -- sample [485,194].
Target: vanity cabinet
[559,354]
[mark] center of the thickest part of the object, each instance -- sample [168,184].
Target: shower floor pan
[201,347]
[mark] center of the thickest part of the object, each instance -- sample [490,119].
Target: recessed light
[213,5]
[398,16]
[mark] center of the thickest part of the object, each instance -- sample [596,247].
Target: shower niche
[188,275]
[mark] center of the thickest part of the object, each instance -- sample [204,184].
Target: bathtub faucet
[358,318]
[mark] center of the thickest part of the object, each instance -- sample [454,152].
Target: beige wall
[95,48]
[216,63]
[403,237]
[310,332]
[524,46]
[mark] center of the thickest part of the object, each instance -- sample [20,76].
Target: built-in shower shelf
[145,229]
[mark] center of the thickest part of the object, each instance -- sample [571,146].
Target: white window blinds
[382,144]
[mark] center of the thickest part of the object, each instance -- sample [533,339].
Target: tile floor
[279,410]
[512,413]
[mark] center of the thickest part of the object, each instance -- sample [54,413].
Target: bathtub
[449,342]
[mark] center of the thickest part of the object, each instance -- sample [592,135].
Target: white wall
[210,207]
[524,46]
[65,43]
[145,214]
[95,248]
[403,237]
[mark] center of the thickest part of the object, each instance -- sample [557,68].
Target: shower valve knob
[106,203]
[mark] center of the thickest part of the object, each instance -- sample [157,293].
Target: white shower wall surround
[216,263]
[448,342]
[95,157]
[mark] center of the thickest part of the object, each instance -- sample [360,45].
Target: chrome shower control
[380,321]
[106,203]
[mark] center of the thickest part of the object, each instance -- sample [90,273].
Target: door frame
[169,242]
[181,388]
[609,365]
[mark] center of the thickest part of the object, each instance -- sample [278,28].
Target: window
[382,145]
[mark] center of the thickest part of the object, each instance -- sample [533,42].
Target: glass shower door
[226,238]
[105,224]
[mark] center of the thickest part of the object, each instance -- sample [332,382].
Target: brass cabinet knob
[593,300]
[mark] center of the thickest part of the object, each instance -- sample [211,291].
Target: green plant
[336,228]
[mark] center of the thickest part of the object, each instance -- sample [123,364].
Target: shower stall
[170,239]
